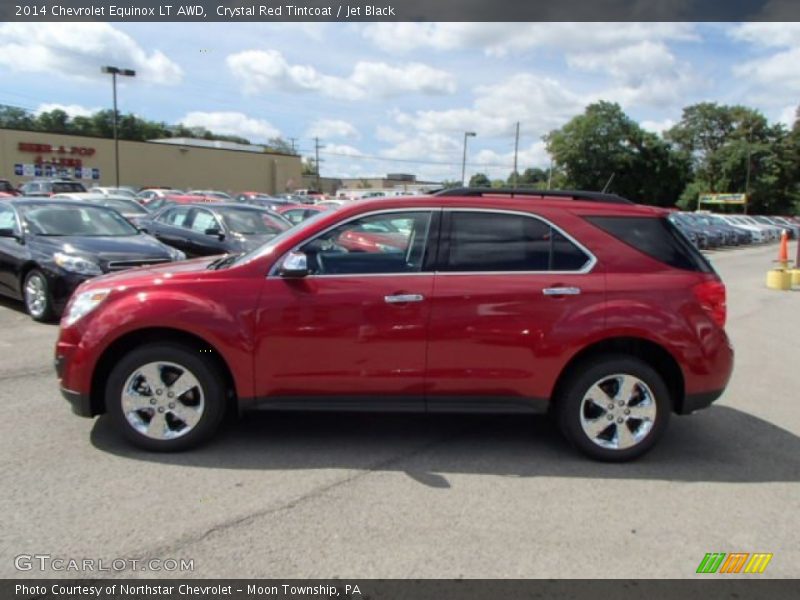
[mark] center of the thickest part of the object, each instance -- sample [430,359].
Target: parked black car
[209,229]
[49,247]
[7,188]
[48,187]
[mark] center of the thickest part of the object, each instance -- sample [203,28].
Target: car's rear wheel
[36,294]
[166,397]
[614,408]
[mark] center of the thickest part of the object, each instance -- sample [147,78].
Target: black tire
[571,410]
[211,387]
[46,313]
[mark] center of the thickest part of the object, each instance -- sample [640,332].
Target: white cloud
[268,70]
[773,34]
[232,123]
[774,78]
[657,126]
[498,39]
[73,110]
[540,103]
[788,115]
[78,50]
[332,128]
[778,72]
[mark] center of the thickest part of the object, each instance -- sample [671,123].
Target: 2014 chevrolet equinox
[585,304]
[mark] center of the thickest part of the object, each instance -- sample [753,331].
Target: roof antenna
[608,183]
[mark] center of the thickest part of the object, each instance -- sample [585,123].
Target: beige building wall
[148,163]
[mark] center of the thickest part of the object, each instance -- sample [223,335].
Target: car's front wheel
[614,408]
[166,397]
[36,293]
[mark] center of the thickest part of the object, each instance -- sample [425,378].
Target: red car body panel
[487,335]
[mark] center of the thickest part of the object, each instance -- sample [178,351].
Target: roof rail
[565,194]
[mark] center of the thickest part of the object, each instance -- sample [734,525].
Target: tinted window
[480,241]
[656,237]
[384,243]
[62,187]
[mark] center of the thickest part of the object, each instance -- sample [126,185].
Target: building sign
[723,198]
[51,170]
[60,156]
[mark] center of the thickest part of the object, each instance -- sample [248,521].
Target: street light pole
[114,71]
[464,159]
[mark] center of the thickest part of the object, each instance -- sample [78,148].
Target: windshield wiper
[223,261]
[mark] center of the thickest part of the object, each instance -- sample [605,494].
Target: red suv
[579,303]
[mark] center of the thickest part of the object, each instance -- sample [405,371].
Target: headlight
[83,304]
[76,264]
[176,254]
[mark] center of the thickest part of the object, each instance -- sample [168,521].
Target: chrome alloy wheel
[618,412]
[162,400]
[36,295]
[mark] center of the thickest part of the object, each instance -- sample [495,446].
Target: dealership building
[182,163]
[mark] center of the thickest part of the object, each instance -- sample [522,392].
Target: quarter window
[480,241]
[383,243]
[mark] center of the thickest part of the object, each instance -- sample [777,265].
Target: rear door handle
[403,298]
[561,291]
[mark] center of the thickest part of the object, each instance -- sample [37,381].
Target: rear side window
[656,237]
[480,241]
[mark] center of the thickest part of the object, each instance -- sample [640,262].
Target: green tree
[448,184]
[12,117]
[479,180]
[604,142]
[734,149]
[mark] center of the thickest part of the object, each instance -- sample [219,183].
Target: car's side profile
[599,311]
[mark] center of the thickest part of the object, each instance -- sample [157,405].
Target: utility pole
[464,159]
[316,162]
[747,176]
[516,152]
[114,71]
[292,141]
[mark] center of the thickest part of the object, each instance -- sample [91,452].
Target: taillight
[711,296]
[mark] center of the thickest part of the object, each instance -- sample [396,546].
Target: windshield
[253,222]
[125,206]
[53,219]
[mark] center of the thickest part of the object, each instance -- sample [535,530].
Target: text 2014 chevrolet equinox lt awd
[583,304]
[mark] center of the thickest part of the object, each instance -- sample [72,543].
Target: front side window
[501,242]
[203,221]
[383,243]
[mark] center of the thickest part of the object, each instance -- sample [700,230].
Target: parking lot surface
[367,496]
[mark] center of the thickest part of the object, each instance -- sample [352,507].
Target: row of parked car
[710,230]
[61,234]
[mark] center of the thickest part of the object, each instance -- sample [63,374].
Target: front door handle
[403,298]
[561,291]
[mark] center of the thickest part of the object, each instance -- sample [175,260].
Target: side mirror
[216,232]
[294,265]
[9,233]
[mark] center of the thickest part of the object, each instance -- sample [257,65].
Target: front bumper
[81,403]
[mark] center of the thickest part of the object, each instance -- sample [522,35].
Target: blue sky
[397,97]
